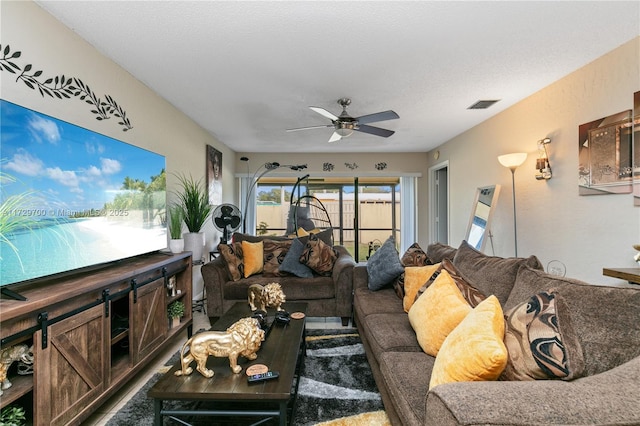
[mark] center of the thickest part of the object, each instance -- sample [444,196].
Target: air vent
[483,104]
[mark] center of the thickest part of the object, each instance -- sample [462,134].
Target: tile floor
[200,321]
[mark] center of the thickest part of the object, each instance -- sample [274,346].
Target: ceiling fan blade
[335,137]
[324,126]
[378,116]
[374,130]
[324,113]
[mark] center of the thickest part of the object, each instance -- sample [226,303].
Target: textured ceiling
[246,71]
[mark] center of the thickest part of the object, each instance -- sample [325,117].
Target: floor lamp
[512,162]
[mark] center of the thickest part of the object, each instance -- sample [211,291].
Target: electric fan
[226,218]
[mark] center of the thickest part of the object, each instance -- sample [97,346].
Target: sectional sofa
[600,336]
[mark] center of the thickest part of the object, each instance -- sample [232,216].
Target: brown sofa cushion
[438,251]
[604,318]
[490,274]
[407,376]
[239,237]
[390,332]
[541,341]
[366,302]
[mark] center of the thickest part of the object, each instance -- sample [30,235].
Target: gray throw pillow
[291,262]
[384,266]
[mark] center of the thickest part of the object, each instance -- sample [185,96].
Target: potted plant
[194,203]
[12,415]
[175,312]
[176,243]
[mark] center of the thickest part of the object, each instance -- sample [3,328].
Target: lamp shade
[512,161]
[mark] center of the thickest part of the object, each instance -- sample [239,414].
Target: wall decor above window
[351,166]
[381,166]
[62,87]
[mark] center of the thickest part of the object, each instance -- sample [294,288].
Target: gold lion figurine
[243,338]
[270,295]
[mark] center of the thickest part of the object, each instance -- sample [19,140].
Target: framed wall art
[636,149]
[214,175]
[606,155]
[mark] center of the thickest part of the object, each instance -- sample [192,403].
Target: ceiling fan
[344,124]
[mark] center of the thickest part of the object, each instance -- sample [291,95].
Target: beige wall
[157,125]
[586,233]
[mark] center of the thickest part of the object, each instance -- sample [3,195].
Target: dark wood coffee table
[230,395]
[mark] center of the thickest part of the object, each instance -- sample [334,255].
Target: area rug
[336,388]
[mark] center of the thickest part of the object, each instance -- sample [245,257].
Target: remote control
[262,377]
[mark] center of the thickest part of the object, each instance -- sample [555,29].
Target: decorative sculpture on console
[271,295]
[243,338]
[7,357]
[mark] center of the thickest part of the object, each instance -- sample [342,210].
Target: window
[361,230]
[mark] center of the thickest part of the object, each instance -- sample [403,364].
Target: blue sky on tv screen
[67,166]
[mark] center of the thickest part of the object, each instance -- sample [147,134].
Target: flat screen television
[72,198]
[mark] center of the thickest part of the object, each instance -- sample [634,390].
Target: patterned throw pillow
[384,266]
[472,295]
[274,254]
[541,341]
[232,254]
[319,256]
[414,256]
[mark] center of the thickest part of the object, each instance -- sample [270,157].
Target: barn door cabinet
[91,332]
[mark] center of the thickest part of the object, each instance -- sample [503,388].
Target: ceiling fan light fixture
[344,128]
[344,132]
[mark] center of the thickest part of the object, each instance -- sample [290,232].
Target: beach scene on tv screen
[73,198]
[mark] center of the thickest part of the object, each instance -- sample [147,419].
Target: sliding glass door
[363,212]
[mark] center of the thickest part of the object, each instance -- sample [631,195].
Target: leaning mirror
[481,213]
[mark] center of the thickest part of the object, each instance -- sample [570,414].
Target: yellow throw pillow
[414,278]
[475,350]
[302,232]
[437,312]
[253,257]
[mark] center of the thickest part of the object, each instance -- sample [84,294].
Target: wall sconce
[542,163]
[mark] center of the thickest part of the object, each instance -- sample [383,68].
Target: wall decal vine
[62,87]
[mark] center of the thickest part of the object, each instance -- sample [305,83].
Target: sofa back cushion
[604,318]
[490,274]
[238,237]
[438,251]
